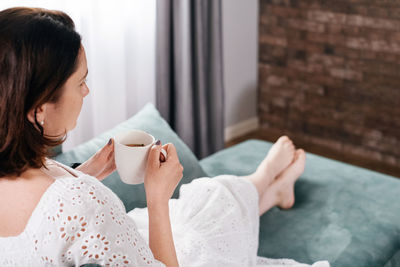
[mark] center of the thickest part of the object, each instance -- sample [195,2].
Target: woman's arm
[160,235]
[160,182]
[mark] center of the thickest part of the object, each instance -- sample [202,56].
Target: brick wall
[329,73]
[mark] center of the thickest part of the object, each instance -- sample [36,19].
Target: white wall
[240,37]
[119,39]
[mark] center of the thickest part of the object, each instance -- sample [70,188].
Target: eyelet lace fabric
[215,223]
[79,220]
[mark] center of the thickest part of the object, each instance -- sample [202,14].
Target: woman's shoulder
[72,199]
[56,203]
[21,194]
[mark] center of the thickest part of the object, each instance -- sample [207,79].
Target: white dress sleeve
[85,222]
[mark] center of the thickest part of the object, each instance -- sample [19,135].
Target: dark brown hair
[38,52]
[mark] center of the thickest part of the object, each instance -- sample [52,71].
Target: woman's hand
[101,164]
[162,177]
[160,182]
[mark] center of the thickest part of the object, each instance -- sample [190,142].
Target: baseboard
[241,128]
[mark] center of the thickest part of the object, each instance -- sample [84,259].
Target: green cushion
[344,214]
[149,120]
[394,261]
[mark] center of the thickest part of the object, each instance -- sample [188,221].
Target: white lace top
[79,221]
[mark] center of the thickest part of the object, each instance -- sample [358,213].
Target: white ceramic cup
[131,161]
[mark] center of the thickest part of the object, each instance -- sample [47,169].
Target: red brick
[273,40]
[317,48]
[384,68]
[326,17]
[346,74]
[263,107]
[323,79]
[375,11]
[348,52]
[281,2]
[263,71]
[279,102]
[353,128]
[269,120]
[352,20]
[384,144]
[272,55]
[285,12]
[395,37]
[380,80]
[362,21]
[308,87]
[391,160]
[275,31]
[276,80]
[303,66]
[394,13]
[334,28]
[326,60]
[306,25]
[332,39]
[376,45]
[268,20]
[362,152]
[363,10]
[333,144]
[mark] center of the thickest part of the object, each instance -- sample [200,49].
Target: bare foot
[285,182]
[278,158]
[281,192]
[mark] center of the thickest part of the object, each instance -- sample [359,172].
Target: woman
[54,215]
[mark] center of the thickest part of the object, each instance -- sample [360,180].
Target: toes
[300,153]
[300,159]
[285,141]
[289,144]
[283,138]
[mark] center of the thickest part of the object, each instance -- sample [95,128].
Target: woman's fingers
[106,169]
[163,155]
[154,155]
[110,168]
[162,152]
[171,150]
[102,163]
[108,148]
[173,156]
[105,154]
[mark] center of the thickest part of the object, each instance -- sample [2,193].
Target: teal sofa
[344,214]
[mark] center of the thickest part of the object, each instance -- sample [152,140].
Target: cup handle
[163,155]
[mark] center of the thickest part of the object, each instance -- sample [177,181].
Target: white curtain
[119,39]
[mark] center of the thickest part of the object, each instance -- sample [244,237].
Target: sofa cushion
[149,120]
[344,214]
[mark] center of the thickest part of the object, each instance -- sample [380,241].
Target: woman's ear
[38,112]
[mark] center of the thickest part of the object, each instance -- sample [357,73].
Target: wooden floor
[325,152]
